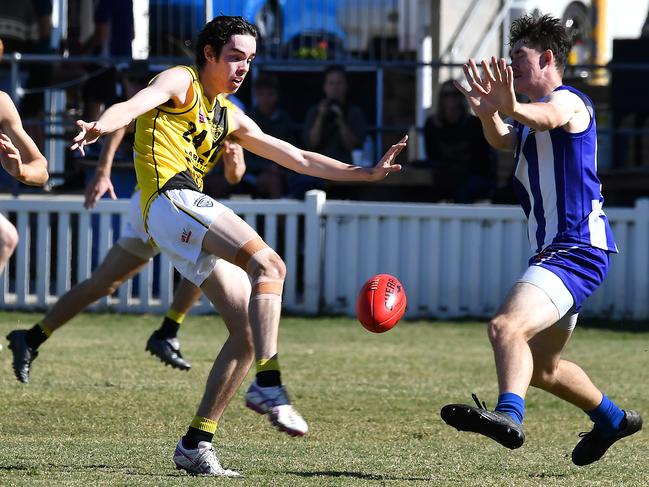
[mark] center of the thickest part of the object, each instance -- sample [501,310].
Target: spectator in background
[112,37]
[463,163]
[268,178]
[263,178]
[333,127]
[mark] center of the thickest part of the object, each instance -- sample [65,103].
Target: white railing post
[315,201]
[641,258]
[43,258]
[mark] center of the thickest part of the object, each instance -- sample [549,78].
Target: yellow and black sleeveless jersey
[176,147]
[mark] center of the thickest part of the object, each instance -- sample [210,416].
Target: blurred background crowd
[345,78]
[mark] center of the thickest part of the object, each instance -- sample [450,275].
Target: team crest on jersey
[217,131]
[204,202]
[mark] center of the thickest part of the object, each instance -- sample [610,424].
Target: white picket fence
[454,260]
[60,242]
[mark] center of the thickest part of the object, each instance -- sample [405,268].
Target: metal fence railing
[297,29]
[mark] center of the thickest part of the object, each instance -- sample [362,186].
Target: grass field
[99,410]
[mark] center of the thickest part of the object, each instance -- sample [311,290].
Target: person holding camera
[332,127]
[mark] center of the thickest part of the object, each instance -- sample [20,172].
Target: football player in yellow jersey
[195,231]
[125,259]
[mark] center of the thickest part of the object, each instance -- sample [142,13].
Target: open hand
[498,85]
[386,165]
[480,105]
[98,187]
[88,134]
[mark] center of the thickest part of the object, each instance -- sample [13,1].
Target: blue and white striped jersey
[557,185]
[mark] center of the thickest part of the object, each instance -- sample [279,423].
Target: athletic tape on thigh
[247,250]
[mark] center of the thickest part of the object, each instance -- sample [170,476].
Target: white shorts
[177,222]
[556,290]
[133,238]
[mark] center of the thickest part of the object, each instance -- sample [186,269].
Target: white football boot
[274,402]
[200,461]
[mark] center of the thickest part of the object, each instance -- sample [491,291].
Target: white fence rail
[60,243]
[453,260]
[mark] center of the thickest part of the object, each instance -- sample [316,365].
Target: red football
[381,303]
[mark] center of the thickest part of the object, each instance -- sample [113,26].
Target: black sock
[269,378]
[194,436]
[35,337]
[168,329]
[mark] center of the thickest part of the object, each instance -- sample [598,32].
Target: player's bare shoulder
[177,81]
[242,124]
[579,114]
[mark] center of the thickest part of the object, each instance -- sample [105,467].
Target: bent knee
[269,265]
[543,376]
[504,327]
[501,327]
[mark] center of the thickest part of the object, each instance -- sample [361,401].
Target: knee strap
[247,250]
[274,288]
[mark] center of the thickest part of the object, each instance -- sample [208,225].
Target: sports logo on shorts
[187,234]
[204,202]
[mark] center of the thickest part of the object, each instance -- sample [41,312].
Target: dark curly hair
[217,33]
[543,32]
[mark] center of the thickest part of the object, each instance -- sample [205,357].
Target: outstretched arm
[499,134]
[172,85]
[556,111]
[19,154]
[253,139]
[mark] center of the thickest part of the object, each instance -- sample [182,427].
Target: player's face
[234,63]
[526,65]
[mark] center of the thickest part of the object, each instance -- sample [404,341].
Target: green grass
[100,411]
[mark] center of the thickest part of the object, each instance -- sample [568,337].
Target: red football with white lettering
[381,303]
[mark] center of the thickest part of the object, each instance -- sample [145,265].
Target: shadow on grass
[543,475]
[122,469]
[356,475]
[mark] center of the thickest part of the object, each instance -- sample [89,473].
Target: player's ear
[547,58]
[208,52]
